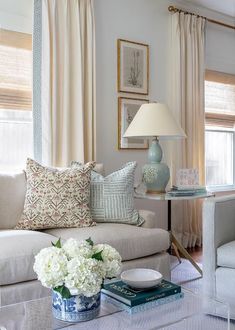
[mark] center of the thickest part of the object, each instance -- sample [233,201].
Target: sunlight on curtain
[187,104]
[65,61]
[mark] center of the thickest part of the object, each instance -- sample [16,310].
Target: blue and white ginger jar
[75,309]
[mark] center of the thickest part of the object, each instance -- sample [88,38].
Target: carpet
[186,275]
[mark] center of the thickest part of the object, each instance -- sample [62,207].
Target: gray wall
[146,21]
[16,15]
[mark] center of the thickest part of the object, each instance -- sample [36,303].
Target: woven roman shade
[220,99]
[15,70]
[220,77]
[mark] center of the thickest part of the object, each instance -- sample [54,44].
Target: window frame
[226,187]
[216,76]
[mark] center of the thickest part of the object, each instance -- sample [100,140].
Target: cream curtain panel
[67,89]
[187,102]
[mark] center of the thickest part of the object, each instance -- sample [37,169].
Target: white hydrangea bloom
[73,266]
[51,267]
[73,248]
[111,259]
[85,276]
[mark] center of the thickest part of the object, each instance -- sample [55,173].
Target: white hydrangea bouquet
[76,267]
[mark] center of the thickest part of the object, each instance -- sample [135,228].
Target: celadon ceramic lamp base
[155,120]
[155,174]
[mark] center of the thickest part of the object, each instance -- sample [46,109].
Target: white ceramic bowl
[141,278]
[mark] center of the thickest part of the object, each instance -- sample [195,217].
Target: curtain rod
[173,9]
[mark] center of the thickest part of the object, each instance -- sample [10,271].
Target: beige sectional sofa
[143,246]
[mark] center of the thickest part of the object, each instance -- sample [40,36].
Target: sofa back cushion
[112,197]
[12,196]
[56,198]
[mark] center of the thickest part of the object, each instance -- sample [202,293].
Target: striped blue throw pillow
[112,197]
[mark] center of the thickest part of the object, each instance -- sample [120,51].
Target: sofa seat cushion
[225,286]
[130,241]
[18,248]
[226,255]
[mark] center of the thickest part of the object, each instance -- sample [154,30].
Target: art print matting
[127,109]
[133,67]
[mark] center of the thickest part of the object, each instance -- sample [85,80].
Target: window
[16,132]
[220,125]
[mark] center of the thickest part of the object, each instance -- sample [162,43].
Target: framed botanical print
[133,67]
[127,109]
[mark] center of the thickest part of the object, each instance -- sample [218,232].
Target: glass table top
[192,312]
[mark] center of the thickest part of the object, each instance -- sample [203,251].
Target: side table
[165,197]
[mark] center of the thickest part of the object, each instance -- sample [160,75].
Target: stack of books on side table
[187,190]
[135,300]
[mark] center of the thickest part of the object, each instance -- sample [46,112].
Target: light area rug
[186,275]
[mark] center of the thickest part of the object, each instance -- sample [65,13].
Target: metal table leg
[178,247]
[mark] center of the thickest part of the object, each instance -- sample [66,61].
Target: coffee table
[193,312]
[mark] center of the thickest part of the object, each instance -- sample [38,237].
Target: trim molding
[37,62]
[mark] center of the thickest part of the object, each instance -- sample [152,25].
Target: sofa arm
[218,229]
[149,219]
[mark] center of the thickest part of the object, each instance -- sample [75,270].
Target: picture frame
[127,109]
[133,67]
[187,177]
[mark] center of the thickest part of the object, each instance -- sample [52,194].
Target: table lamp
[155,120]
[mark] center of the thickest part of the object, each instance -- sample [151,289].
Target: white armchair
[219,249]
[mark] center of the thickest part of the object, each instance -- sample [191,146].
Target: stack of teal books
[135,300]
[189,190]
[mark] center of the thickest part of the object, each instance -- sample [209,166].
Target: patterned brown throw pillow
[56,198]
